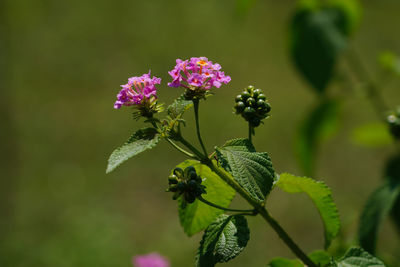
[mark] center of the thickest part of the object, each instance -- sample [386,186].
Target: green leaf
[252,170]
[223,240]
[178,107]
[379,205]
[140,141]
[377,208]
[281,262]
[320,257]
[357,257]
[390,62]
[318,33]
[197,216]
[395,213]
[319,125]
[320,194]
[372,135]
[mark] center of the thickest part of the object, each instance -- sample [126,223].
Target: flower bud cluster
[186,183]
[394,123]
[252,105]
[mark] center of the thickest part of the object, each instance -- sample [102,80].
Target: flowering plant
[206,183]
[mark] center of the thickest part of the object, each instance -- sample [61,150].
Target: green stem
[198,154]
[222,208]
[180,149]
[250,131]
[196,116]
[372,89]
[264,213]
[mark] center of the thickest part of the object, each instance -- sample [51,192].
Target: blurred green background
[61,66]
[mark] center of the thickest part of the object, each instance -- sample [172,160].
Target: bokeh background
[61,66]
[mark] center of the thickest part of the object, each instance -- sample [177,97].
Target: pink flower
[150,260]
[197,72]
[137,90]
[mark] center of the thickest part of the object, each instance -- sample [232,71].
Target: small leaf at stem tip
[321,195]
[140,141]
[223,240]
[178,107]
[197,216]
[252,170]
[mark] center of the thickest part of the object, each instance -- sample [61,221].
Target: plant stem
[180,149]
[198,154]
[264,213]
[250,131]
[196,116]
[286,238]
[222,208]
[372,89]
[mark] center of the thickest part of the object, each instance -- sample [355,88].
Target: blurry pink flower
[150,260]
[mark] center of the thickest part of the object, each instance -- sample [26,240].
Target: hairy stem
[180,149]
[196,116]
[259,207]
[222,208]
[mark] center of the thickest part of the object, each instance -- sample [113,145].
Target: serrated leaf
[223,240]
[319,32]
[319,125]
[140,141]
[377,208]
[197,216]
[178,107]
[357,257]
[252,170]
[320,194]
[372,135]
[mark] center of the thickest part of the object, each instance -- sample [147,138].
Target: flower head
[150,260]
[197,74]
[137,91]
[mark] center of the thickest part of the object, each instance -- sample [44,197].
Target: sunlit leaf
[320,194]
[197,216]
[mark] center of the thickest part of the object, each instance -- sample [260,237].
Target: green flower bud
[261,96]
[239,98]
[250,102]
[257,92]
[178,172]
[249,111]
[260,103]
[245,95]
[239,107]
[173,179]
[250,88]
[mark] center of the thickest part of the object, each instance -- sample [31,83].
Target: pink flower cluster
[136,90]
[150,260]
[198,72]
